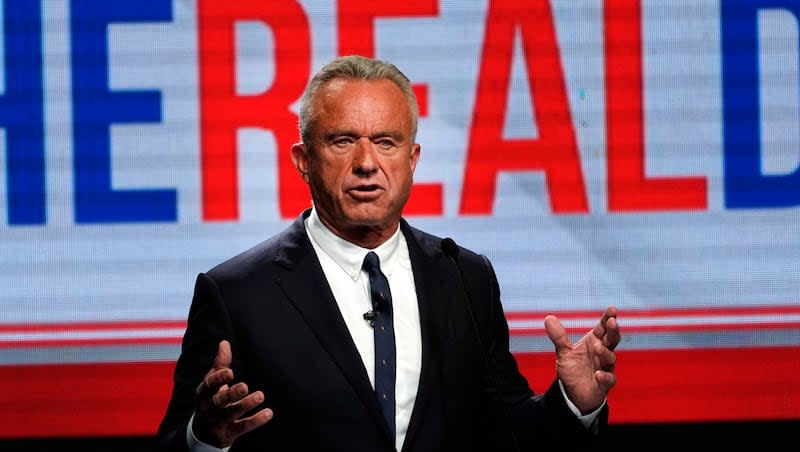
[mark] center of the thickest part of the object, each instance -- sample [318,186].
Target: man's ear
[300,159]
[415,150]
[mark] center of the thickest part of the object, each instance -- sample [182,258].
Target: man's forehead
[344,99]
[338,84]
[340,104]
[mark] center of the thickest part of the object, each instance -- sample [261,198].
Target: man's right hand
[218,407]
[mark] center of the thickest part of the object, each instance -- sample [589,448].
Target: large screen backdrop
[639,153]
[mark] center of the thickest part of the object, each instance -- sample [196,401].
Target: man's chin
[370,220]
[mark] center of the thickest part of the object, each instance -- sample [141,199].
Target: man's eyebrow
[339,133]
[393,134]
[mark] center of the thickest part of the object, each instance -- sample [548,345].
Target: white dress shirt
[341,262]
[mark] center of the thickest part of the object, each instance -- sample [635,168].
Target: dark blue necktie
[383,327]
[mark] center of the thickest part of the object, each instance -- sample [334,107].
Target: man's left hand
[586,368]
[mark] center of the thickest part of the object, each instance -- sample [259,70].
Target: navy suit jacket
[288,339]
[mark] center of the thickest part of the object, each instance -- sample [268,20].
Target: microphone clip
[369,316]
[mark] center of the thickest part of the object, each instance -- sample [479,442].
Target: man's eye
[386,144]
[341,142]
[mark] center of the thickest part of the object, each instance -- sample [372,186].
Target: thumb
[224,355]
[556,332]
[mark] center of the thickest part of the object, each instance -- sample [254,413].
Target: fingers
[612,334]
[220,373]
[224,409]
[605,380]
[605,362]
[220,405]
[556,332]
[213,382]
[250,423]
[607,329]
[600,329]
[226,396]
[604,358]
[236,401]
[240,403]
[224,355]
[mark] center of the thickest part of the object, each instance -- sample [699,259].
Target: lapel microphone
[450,249]
[369,316]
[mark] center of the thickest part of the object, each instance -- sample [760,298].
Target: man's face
[361,160]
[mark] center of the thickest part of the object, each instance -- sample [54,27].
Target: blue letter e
[95,108]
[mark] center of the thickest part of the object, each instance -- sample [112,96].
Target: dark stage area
[761,436]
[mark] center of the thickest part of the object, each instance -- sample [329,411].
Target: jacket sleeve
[208,323]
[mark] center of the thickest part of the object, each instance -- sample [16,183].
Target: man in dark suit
[290,328]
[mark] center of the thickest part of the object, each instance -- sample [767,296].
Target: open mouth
[366,188]
[365,192]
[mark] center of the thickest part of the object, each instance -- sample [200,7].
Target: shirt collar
[348,256]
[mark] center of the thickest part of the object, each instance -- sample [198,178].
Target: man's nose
[364,156]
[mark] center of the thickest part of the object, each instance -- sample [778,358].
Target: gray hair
[354,67]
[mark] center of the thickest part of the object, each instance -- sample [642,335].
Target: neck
[367,236]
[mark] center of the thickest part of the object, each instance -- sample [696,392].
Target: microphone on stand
[450,249]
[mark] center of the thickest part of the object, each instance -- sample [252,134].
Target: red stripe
[91,326]
[515,332]
[695,327]
[89,342]
[654,386]
[511,316]
[83,400]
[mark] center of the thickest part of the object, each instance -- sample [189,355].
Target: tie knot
[371,262]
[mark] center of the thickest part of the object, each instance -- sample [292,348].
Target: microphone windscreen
[449,247]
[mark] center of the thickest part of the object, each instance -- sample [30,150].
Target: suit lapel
[305,285]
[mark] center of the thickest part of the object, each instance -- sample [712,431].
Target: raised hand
[219,408]
[586,368]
